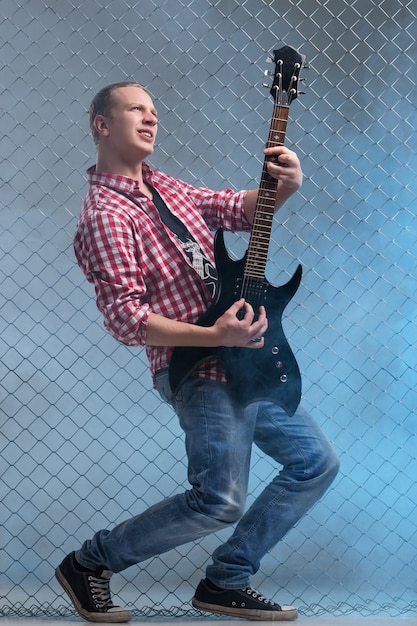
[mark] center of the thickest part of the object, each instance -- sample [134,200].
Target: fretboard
[257,253]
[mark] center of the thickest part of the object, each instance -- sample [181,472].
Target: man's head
[103,103]
[124,124]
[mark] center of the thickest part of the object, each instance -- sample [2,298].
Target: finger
[281,165]
[281,155]
[261,324]
[248,313]
[258,329]
[277,150]
[237,306]
[256,343]
[262,313]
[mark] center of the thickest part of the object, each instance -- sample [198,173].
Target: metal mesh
[84,441]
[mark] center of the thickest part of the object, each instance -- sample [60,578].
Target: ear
[100,124]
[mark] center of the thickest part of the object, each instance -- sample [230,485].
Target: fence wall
[84,441]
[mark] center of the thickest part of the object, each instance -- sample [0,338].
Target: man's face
[132,126]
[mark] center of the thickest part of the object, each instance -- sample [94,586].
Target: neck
[118,168]
[108,164]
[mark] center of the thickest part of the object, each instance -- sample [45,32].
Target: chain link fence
[84,441]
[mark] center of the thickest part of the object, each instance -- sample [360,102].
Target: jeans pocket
[164,388]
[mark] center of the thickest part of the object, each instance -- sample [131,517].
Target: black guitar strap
[201,264]
[169,219]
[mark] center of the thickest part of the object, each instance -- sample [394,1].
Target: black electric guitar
[271,372]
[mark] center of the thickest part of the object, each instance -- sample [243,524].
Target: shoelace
[255,594]
[100,592]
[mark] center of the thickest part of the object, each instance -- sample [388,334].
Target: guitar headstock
[288,63]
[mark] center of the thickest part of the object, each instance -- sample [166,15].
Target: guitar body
[269,373]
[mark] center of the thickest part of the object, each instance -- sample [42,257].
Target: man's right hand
[233,330]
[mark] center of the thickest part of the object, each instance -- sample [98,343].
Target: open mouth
[146,133]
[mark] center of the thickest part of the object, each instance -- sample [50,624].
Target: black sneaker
[89,592]
[246,603]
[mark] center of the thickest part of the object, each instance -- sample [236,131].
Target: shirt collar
[118,182]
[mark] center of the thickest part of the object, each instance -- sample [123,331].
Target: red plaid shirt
[136,263]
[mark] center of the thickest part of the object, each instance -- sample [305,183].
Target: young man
[144,239]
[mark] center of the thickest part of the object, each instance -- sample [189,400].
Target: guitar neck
[257,253]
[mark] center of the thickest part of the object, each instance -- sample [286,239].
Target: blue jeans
[218,436]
